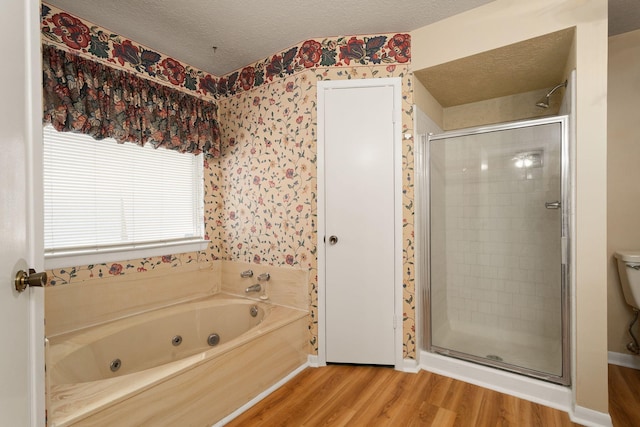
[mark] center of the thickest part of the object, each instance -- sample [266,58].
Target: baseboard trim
[410,365]
[590,418]
[261,396]
[313,361]
[544,393]
[626,360]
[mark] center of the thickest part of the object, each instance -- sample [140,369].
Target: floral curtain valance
[85,96]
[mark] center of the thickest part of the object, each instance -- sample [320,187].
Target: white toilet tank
[629,270]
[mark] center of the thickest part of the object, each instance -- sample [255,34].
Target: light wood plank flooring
[345,395]
[624,396]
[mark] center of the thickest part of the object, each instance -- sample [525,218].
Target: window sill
[75,258]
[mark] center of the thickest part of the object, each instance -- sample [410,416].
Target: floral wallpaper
[260,195]
[267,206]
[63,276]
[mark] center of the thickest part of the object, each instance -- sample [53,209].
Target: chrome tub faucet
[254,288]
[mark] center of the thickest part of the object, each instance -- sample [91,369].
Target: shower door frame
[565,242]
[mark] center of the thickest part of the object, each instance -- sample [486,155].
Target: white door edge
[35,218]
[396,83]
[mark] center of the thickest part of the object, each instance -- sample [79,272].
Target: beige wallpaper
[623,175]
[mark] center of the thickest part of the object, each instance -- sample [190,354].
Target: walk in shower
[497,230]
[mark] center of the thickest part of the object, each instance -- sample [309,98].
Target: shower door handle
[552,205]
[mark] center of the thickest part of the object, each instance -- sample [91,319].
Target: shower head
[544,101]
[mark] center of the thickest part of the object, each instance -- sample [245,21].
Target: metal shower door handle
[552,205]
[333,240]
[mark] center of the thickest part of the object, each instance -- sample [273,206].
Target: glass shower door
[498,236]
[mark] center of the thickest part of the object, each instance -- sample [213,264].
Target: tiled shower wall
[502,245]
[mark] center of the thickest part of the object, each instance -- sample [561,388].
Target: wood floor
[624,396]
[344,395]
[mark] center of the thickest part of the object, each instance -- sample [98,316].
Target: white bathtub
[158,383]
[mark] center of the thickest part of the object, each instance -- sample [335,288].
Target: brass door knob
[24,279]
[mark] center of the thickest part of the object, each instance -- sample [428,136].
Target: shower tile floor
[523,350]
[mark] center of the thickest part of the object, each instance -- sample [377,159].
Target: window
[105,201]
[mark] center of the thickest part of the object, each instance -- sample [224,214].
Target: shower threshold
[537,357]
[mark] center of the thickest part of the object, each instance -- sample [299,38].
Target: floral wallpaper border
[83,37]
[97,43]
[61,276]
[348,51]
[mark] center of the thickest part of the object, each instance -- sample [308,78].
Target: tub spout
[254,288]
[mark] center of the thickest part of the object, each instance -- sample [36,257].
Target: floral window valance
[85,96]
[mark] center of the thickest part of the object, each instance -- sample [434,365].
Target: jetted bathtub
[188,364]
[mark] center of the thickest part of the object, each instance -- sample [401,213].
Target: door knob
[333,240]
[24,279]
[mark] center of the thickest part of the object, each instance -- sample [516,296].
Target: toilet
[629,270]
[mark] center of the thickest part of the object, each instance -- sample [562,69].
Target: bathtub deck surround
[94,378]
[78,305]
[185,391]
[285,286]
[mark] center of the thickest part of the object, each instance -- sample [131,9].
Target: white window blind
[101,196]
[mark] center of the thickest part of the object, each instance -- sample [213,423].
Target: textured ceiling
[624,16]
[245,31]
[533,64]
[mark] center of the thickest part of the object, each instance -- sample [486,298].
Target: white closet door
[359,224]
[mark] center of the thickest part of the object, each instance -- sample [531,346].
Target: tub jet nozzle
[213,339]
